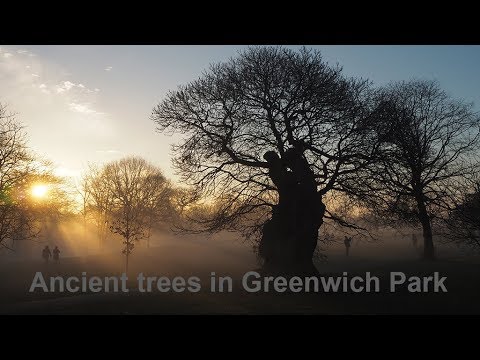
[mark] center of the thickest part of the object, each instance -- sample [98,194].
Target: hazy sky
[92,103]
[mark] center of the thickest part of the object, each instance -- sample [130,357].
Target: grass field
[195,257]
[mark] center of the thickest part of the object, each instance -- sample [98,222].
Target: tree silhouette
[82,190]
[16,163]
[97,199]
[429,142]
[271,131]
[463,223]
[21,215]
[137,191]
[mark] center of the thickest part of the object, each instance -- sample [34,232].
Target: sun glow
[39,191]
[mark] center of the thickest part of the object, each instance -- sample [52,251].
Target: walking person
[56,254]
[348,243]
[46,254]
[414,241]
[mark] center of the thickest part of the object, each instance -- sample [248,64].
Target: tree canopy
[429,149]
[266,99]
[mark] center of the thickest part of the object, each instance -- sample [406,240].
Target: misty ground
[186,256]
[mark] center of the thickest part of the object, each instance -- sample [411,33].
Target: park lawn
[463,296]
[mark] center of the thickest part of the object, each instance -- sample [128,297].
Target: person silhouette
[56,254]
[348,243]
[414,241]
[46,254]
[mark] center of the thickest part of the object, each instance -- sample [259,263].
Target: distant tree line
[129,197]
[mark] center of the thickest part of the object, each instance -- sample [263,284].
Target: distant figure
[414,241]
[46,254]
[348,243]
[56,254]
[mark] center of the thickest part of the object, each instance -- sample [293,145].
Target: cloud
[83,108]
[43,88]
[35,83]
[68,85]
[65,86]
[108,68]
[25,52]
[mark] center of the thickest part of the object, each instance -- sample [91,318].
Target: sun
[39,190]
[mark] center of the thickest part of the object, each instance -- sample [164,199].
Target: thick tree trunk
[428,248]
[290,237]
[287,252]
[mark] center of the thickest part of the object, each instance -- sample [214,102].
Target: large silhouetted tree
[429,144]
[275,129]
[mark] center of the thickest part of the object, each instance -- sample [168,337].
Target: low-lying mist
[166,252]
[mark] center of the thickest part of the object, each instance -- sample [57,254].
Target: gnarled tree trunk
[288,250]
[290,236]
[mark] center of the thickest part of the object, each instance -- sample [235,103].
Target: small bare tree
[137,191]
